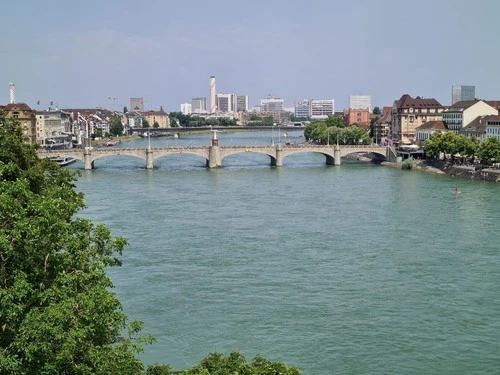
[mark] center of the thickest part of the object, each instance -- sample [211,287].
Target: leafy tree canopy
[57,313]
[115,125]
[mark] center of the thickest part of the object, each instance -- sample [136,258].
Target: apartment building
[463,113]
[160,117]
[26,117]
[408,114]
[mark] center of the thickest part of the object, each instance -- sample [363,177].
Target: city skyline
[102,54]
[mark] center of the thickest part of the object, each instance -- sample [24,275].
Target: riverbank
[462,171]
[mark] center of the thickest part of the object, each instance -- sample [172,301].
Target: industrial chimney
[12,90]
[213,104]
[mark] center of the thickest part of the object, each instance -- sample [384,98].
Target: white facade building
[322,108]
[186,108]
[272,105]
[463,113]
[360,102]
[241,103]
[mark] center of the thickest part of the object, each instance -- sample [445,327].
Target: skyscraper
[461,92]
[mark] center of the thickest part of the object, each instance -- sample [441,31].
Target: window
[411,119]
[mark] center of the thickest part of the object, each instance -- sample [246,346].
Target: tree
[335,121]
[115,125]
[488,151]
[125,110]
[156,125]
[234,363]
[377,111]
[145,123]
[57,314]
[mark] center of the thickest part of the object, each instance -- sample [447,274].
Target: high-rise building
[12,92]
[199,105]
[303,109]
[137,104]
[186,108]
[272,105]
[460,93]
[241,103]
[314,108]
[213,93]
[322,108]
[360,102]
[225,102]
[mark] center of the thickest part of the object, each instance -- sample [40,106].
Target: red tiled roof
[406,101]
[436,125]
[17,107]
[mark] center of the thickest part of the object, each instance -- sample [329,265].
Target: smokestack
[213,104]
[12,90]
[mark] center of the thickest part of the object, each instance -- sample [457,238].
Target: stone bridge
[215,154]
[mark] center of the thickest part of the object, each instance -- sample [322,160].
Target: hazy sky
[80,53]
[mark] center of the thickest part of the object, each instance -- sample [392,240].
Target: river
[351,269]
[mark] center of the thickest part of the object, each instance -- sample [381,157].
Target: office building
[199,105]
[272,105]
[186,108]
[225,103]
[321,108]
[241,103]
[302,109]
[360,102]
[460,93]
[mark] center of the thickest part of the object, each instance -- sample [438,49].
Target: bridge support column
[87,160]
[336,155]
[279,156]
[214,157]
[149,158]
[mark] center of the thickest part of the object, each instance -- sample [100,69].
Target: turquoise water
[357,269]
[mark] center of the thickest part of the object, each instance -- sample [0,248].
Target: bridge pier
[213,157]
[149,158]
[336,155]
[279,156]
[88,164]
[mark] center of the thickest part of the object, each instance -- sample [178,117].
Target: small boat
[63,161]
[110,143]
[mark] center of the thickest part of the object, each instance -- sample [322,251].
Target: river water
[351,269]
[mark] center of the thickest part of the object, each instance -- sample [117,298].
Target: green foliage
[335,121]
[377,111]
[450,143]
[407,164]
[115,125]
[234,363]
[145,123]
[57,313]
[320,132]
[156,125]
[125,110]
[488,151]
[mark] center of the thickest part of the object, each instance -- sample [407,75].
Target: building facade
[241,103]
[225,103]
[52,127]
[137,104]
[159,117]
[427,129]
[464,112]
[22,113]
[199,105]
[361,117]
[408,114]
[186,108]
[460,93]
[321,108]
[360,102]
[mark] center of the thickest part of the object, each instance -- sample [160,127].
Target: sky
[88,54]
